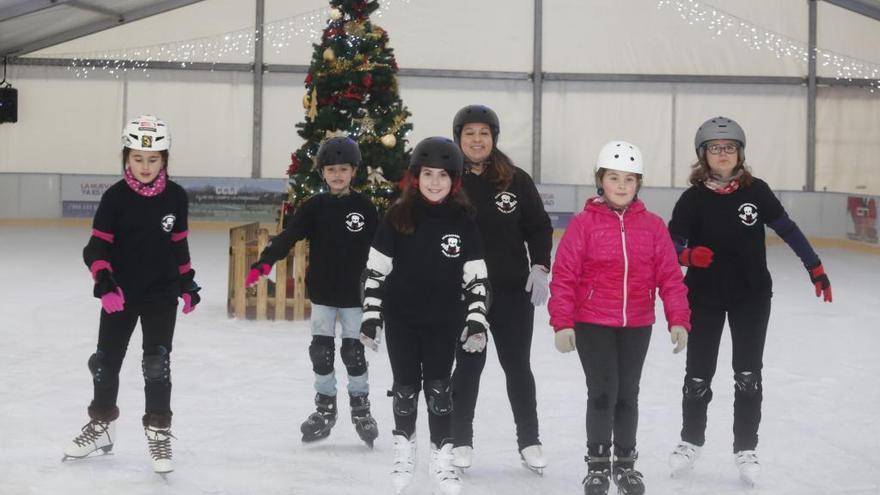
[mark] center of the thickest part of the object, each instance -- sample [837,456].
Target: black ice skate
[363,421]
[318,425]
[628,480]
[598,470]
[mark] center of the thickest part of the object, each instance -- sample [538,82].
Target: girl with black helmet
[518,236]
[138,256]
[426,286]
[339,225]
[717,226]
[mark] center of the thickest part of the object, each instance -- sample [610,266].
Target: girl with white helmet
[138,256]
[610,262]
[718,229]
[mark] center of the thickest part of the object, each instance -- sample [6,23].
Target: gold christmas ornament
[389,141]
[335,14]
[375,175]
[329,54]
[306,101]
[313,105]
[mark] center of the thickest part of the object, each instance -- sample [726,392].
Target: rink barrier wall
[835,219]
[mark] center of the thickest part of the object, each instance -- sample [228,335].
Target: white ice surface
[241,390]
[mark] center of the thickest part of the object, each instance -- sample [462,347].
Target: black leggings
[748,330]
[416,355]
[511,321]
[157,324]
[612,359]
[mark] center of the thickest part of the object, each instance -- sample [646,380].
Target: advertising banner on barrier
[559,201]
[224,199]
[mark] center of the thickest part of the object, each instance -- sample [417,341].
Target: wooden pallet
[267,300]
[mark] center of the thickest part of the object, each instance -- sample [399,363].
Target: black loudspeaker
[8,105]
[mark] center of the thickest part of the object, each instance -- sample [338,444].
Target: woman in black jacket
[517,236]
[717,227]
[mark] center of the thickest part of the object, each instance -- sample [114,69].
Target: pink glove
[188,305]
[113,301]
[257,270]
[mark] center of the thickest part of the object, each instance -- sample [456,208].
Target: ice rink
[241,390]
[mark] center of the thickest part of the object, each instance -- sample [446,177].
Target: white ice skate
[404,460]
[747,463]
[463,456]
[682,459]
[95,436]
[444,476]
[533,458]
[159,443]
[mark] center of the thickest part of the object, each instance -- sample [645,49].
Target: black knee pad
[747,383]
[697,389]
[405,399]
[439,396]
[156,365]
[321,352]
[102,373]
[353,357]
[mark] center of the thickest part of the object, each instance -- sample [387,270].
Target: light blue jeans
[324,323]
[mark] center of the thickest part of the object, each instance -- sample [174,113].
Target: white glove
[538,284]
[564,340]
[474,337]
[679,337]
[371,333]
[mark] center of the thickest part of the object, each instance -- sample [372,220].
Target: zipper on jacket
[625,264]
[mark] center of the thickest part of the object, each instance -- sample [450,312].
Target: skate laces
[685,450]
[90,433]
[443,468]
[403,458]
[747,457]
[596,476]
[628,475]
[159,441]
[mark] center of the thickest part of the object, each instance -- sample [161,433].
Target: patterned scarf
[146,190]
[723,186]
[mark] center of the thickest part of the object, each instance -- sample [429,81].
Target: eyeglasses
[716,149]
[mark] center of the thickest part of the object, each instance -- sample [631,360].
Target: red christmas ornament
[294,164]
[367,80]
[308,79]
[330,33]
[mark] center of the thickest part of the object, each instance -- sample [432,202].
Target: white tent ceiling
[30,25]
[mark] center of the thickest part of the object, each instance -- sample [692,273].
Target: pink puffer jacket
[608,266]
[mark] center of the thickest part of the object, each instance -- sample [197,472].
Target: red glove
[257,270]
[699,257]
[820,280]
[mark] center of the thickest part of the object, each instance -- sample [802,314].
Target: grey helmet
[719,128]
[437,152]
[476,114]
[337,151]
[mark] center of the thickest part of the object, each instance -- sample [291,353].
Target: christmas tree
[351,89]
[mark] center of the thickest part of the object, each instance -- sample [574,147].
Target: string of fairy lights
[277,36]
[720,23]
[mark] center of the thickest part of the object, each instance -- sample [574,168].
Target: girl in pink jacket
[610,262]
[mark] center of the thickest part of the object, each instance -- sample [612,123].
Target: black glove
[104,283]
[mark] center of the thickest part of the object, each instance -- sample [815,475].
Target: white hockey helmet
[621,156]
[146,133]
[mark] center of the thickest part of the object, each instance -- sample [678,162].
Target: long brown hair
[499,170]
[402,213]
[700,170]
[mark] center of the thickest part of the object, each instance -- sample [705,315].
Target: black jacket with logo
[732,226]
[508,221]
[340,230]
[144,239]
[430,268]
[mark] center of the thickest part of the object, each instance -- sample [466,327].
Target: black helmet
[437,152]
[337,151]
[476,114]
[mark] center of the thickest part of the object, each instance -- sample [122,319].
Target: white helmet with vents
[146,133]
[621,156]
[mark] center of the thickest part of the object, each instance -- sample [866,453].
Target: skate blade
[537,470]
[103,451]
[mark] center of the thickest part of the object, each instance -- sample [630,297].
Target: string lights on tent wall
[720,23]
[277,36]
